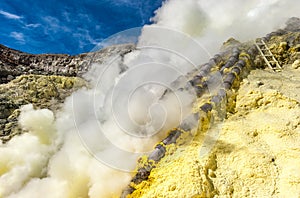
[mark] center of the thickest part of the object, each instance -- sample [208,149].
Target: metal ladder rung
[269,56]
[266,53]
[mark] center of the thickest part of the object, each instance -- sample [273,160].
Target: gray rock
[14,63]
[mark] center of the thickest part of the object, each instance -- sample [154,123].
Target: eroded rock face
[41,91]
[42,80]
[286,48]
[14,63]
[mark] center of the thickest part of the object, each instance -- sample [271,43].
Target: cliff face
[40,90]
[14,63]
[42,80]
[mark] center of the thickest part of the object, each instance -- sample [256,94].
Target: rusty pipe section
[233,65]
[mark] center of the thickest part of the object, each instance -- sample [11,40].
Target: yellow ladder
[267,55]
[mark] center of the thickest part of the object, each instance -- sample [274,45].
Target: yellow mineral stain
[257,152]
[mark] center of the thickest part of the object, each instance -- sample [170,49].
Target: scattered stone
[10,77]
[259,83]
[283,45]
[296,64]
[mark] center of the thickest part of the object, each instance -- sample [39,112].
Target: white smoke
[213,22]
[26,156]
[67,155]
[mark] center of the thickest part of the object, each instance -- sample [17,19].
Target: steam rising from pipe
[100,131]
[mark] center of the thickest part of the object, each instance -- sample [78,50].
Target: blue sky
[68,26]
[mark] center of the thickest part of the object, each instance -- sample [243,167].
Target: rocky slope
[14,63]
[251,151]
[255,152]
[43,80]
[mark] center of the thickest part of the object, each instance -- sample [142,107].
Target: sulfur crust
[257,152]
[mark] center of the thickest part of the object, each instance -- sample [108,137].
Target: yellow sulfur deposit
[42,91]
[257,152]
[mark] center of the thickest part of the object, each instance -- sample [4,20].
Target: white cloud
[124,2]
[84,17]
[10,15]
[54,25]
[84,38]
[66,16]
[33,25]
[18,36]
